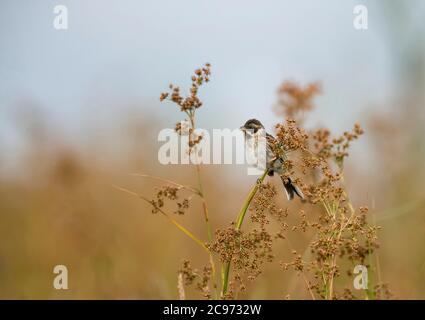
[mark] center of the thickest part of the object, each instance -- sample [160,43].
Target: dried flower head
[294,101]
[338,234]
[190,102]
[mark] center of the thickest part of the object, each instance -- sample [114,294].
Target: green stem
[241,216]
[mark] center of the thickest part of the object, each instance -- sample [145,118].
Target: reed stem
[238,225]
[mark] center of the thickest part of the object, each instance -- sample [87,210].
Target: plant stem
[204,203]
[191,116]
[207,222]
[238,225]
[342,227]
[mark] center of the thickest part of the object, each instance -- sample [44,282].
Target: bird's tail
[291,189]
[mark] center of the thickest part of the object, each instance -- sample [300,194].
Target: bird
[253,129]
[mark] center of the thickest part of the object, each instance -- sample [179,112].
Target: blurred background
[80,110]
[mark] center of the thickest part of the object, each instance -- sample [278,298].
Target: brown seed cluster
[262,206]
[341,231]
[337,148]
[165,193]
[290,136]
[192,101]
[189,104]
[246,250]
[339,234]
[383,292]
[200,280]
[294,100]
[189,274]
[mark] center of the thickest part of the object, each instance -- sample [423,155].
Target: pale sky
[118,53]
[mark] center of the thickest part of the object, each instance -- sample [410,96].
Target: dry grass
[342,234]
[58,206]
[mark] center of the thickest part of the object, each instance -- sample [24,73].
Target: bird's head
[252,126]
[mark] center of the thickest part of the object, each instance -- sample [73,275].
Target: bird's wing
[270,138]
[275,149]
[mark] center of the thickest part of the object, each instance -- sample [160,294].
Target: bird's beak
[242,128]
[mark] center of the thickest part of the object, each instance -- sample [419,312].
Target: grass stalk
[238,225]
[167,216]
[191,116]
[202,195]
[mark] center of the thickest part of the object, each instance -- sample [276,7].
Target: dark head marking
[252,125]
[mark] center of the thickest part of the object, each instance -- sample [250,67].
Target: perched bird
[275,155]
